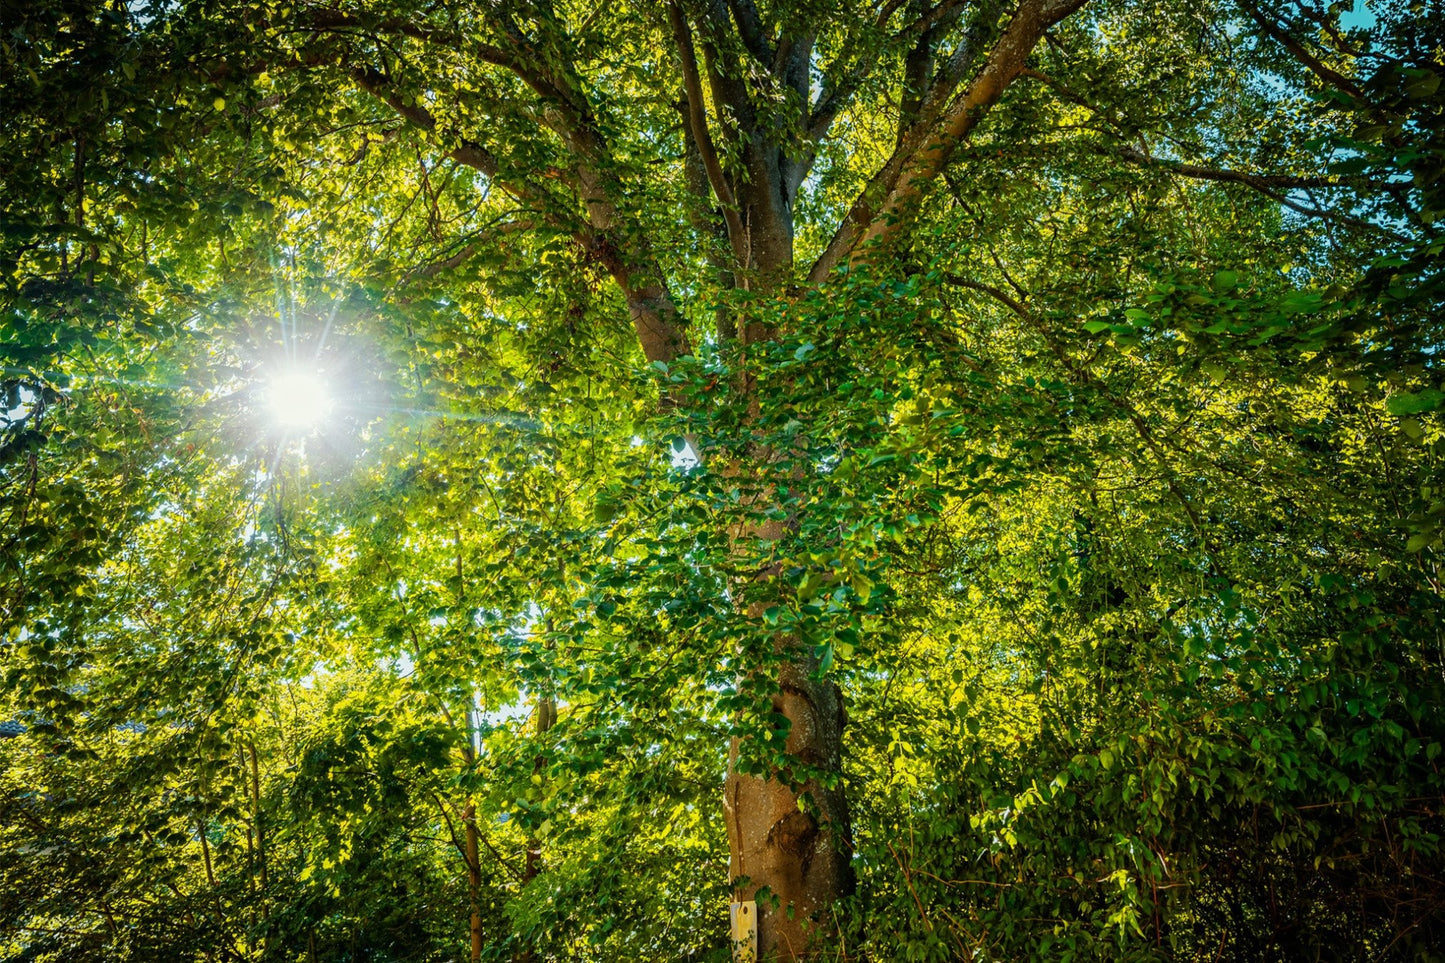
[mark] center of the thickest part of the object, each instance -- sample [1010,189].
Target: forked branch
[891,199]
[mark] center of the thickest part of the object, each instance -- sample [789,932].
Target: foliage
[1107,491]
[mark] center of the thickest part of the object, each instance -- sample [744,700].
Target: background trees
[1063,379]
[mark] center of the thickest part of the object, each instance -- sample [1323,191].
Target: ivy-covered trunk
[789,834]
[790,841]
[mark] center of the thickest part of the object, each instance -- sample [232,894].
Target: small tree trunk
[472,853]
[260,828]
[546,718]
[474,880]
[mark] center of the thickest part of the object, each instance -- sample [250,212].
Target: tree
[1024,352]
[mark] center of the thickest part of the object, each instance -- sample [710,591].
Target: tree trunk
[471,850]
[797,853]
[474,880]
[790,845]
[546,718]
[260,829]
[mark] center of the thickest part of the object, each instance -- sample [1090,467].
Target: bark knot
[794,834]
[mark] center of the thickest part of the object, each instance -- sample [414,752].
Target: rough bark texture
[790,843]
[801,855]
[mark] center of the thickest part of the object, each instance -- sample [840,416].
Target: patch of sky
[1358,17]
[684,456]
[21,402]
[318,671]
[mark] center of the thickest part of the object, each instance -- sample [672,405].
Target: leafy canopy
[1106,487]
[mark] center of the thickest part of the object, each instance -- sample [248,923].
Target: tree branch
[654,317]
[726,92]
[1331,77]
[750,28]
[470,153]
[702,139]
[892,197]
[1198,172]
[1146,434]
[470,244]
[1268,185]
[835,96]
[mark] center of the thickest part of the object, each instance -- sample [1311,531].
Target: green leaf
[1406,403]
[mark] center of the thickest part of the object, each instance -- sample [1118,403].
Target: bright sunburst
[299,398]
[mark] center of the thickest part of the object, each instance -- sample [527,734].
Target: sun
[298,398]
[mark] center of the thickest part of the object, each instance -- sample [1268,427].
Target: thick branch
[727,92]
[889,202]
[654,316]
[917,68]
[564,111]
[702,139]
[750,28]
[467,152]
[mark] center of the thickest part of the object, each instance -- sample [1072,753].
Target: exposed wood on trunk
[794,841]
[790,844]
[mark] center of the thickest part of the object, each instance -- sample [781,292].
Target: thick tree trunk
[794,843]
[790,843]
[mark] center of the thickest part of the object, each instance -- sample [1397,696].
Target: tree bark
[471,851]
[790,841]
[546,718]
[791,845]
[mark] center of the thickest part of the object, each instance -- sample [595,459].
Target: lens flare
[298,398]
